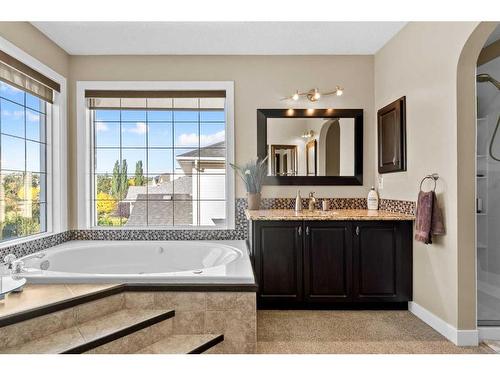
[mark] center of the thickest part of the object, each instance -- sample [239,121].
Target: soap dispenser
[372,201]
[298,202]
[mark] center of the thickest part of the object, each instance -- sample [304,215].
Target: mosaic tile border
[394,205]
[33,246]
[239,233]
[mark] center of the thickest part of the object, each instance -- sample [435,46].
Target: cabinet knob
[307,231]
[299,231]
[357,231]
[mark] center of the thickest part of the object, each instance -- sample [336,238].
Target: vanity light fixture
[308,134]
[314,95]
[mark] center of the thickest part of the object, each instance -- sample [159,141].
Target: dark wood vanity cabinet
[327,270]
[280,270]
[382,261]
[332,263]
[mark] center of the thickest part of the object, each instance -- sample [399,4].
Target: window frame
[56,152]
[84,151]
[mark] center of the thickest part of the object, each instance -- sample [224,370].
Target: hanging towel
[429,218]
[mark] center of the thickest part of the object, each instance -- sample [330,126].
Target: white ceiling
[220,38]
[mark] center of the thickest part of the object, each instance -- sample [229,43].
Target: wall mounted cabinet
[307,264]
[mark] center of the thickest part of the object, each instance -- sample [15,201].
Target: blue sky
[167,133]
[13,116]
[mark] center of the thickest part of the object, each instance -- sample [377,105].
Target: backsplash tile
[239,233]
[29,247]
[394,205]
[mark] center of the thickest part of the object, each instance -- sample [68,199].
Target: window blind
[20,75]
[160,100]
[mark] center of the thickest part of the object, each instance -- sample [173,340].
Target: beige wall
[421,63]
[30,40]
[260,82]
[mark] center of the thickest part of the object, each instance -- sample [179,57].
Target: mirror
[311,147]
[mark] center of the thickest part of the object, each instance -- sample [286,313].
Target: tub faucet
[9,260]
[15,265]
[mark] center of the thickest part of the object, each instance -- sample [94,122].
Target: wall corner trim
[456,336]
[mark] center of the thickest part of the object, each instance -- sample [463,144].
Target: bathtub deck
[39,296]
[39,299]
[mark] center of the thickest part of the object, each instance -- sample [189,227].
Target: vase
[253,201]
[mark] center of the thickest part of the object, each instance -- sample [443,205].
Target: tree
[139,174]
[124,179]
[104,184]
[116,181]
[105,204]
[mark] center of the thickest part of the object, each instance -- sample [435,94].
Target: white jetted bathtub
[204,262]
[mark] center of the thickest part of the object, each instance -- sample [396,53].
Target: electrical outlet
[380,182]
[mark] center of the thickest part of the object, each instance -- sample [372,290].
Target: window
[23,165]
[158,161]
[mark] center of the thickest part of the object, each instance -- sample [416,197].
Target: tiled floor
[351,332]
[495,345]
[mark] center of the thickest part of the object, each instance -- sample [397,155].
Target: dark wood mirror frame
[357,114]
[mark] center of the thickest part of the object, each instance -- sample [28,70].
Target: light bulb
[316,95]
[295,96]
[339,91]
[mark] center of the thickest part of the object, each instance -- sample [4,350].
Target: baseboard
[456,336]
[489,333]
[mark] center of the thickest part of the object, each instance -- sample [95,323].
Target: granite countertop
[343,214]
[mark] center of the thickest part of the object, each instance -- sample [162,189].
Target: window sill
[20,241]
[200,228]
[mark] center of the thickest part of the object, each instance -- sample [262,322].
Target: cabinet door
[327,261]
[278,260]
[382,262]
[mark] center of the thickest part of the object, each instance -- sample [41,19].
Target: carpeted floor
[355,332]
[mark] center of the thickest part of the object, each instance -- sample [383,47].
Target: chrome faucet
[15,265]
[312,201]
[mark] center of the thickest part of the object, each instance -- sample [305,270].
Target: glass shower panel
[488,198]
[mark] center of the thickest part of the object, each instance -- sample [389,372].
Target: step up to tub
[94,333]
[183,344]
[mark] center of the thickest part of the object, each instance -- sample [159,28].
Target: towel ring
[433,177]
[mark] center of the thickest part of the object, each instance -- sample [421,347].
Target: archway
[466,179]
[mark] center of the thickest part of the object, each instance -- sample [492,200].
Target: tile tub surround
[32,329]
[233,314]
[228,311]
[239,233]
[33,246]
[331,215]
[48,297]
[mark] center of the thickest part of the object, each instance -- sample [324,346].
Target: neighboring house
[160,208]
[209,163]
[197,198]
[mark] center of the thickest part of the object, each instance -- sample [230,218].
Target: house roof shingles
[161,209]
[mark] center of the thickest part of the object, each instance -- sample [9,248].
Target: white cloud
[191,139]
[31,116]
[140,128]
[101,127]
[15,114]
